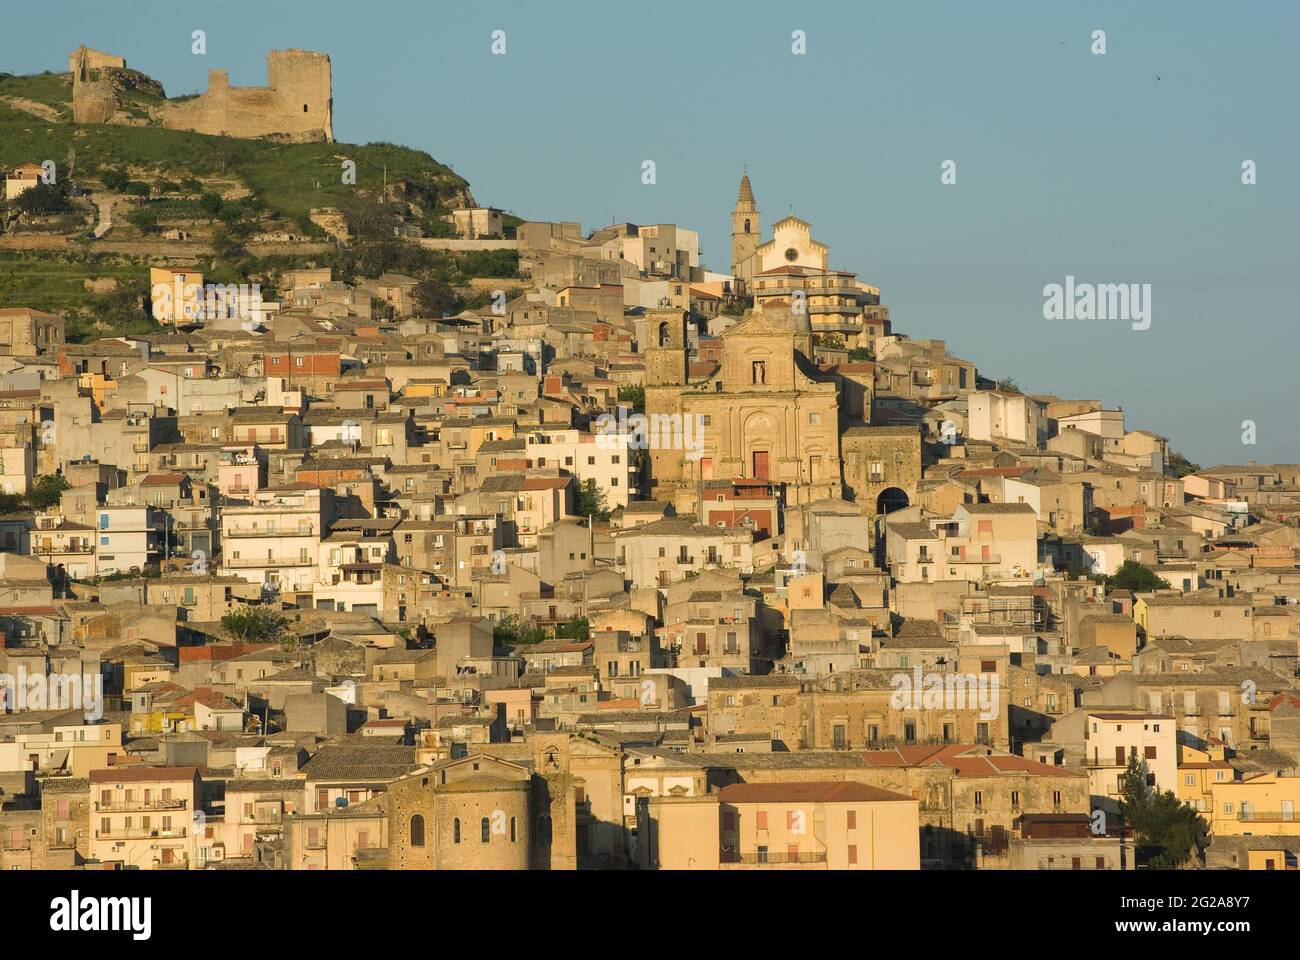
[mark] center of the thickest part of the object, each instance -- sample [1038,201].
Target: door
[760,464]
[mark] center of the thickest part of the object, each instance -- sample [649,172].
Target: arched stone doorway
[891,499]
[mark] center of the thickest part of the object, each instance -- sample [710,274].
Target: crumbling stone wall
[94,99]
[297,104]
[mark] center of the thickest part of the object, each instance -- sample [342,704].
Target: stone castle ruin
[295,106]
[101,85]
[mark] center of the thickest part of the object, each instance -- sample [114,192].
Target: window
[514,832]
[485,829]
[760,820]
[417,831]
[852,820]
[853,854]
[455,830]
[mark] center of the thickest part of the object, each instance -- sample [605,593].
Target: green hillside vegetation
[51,89]
[291,178]
[180,179]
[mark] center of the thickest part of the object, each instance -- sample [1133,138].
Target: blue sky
[1067,162]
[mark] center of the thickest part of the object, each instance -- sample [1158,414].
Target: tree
[1009,385]
[1135,791]
[144,219]
[634,395]
[115,180]
[1136,578]
[256,625]
[1173,831]
[1167,831]
[46,490]
[435,297]
[575,628]
[1179,466]
[511,631]
[860,355]
[44,198]
[591,501]
[210,204]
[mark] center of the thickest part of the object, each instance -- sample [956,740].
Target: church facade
[763,415]
[792,271]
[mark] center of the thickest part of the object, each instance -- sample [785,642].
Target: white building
[276,540]
[995,415]
[606,459]
[1110,738]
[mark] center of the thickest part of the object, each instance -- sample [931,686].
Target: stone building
[882,467]
[763,414]
[469,813]
[296,105]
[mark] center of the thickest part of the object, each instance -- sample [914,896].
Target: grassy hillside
[289,179]
[57,285]
[173,178]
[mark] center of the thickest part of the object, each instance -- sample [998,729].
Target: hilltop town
[363,526]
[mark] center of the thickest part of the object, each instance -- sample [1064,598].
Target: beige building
[144,817]
[26,332]
[763,414]
[1007,417]
[792,825]
[1110,738]
[980,541]
[276,539]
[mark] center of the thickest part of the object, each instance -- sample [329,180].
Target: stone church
[793,270]
[764,414]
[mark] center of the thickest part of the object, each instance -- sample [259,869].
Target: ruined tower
[296,105]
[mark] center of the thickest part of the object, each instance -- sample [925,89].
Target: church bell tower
[746,232]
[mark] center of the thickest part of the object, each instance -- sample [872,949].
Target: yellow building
[790,826]
[1264,805]
[144,817]
[1198,773]
[176,296]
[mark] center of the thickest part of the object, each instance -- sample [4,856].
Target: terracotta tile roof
[813,792]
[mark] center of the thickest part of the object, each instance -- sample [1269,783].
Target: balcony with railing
[772,858]
[1076,863]
[140,833]
[129,806]
[1266,816]
[301,530]
[237,563]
